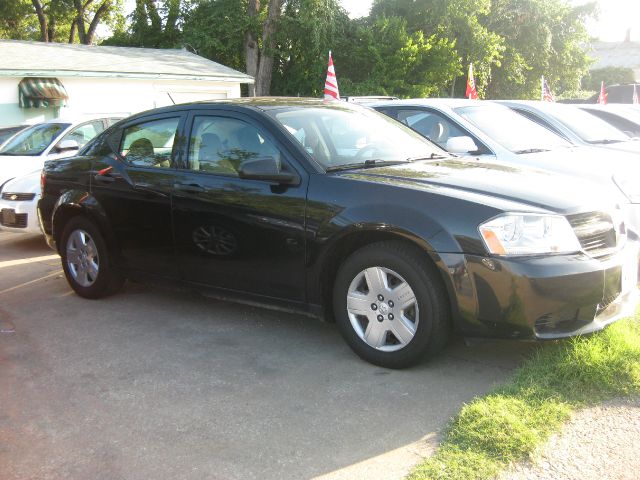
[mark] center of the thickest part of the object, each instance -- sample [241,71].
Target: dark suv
[338,211]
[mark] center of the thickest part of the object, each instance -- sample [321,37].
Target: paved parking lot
[159,384]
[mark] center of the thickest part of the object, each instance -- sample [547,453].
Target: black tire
[108,279]
[432,330]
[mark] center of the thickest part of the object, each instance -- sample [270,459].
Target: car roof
[253,103]
[431,102]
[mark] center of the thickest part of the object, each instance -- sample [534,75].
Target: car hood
[595,163]
[478,180]
[29,183]
[631,146]
[16,166]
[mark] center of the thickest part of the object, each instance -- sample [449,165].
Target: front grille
[19,220]
[595,231]
[18,197]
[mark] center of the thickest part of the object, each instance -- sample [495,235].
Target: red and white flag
[602,98]
[635,95]
[547,96]
[471,93]
[331,83]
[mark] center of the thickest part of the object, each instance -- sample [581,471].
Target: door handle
[103,178]
[106,175]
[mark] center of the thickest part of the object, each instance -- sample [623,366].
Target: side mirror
[461,145]
[67,145]
[268,169]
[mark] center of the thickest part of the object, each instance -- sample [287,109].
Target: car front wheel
[390,305]
[86,260]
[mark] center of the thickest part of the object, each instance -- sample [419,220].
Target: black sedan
[341,212]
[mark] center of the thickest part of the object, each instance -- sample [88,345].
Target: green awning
[41,93]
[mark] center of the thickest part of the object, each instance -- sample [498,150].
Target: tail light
[43,181]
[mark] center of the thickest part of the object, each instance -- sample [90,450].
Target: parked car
[575,125]
[491,132]
[18,204]
[8,132]
[27,150]
[615,94]
[335,210]
[623,117]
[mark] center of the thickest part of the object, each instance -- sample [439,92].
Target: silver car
[575,125]
[491,132]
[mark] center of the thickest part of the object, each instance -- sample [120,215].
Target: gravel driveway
[599,443]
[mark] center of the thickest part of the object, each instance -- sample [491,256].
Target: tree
[308,30]
[608,75]
[544,37]
[454,21]
[216,30]
[386,59]
[154,24]
[53,20]
[260,43]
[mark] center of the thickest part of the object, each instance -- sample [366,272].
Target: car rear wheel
[390,305]
[86,261]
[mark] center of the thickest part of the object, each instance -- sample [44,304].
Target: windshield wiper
[531,150]
[433,156]
[605,141]
[365,164]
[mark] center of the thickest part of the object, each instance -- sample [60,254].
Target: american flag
[471,92]
[547,96]
[602,98]
[331,83]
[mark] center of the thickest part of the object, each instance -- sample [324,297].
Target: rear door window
[149,144]
[221,144]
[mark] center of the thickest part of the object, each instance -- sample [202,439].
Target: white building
[617,54]
[40,81]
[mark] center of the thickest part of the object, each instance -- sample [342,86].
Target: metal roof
[36,59]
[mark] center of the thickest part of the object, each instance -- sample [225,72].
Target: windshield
[588,127]
[511,130]
[33,140]
[338,135]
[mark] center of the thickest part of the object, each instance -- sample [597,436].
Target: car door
[132,182]
[437,127]
[234,233]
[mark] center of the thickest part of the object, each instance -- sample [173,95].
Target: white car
[18,202]
[27,150]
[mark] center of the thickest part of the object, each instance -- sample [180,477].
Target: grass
[511,422]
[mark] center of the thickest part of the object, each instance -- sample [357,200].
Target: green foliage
[216,29]
[407,48]
[154,24]
[545,37]
[510,423]
[19,21]
[608,75]
[457,21]
[16,21]
[383,58]
[307,31]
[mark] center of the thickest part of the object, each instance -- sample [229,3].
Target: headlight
[630,186]
[529,234]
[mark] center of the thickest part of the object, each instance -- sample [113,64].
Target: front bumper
[546,297]
[23,217]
